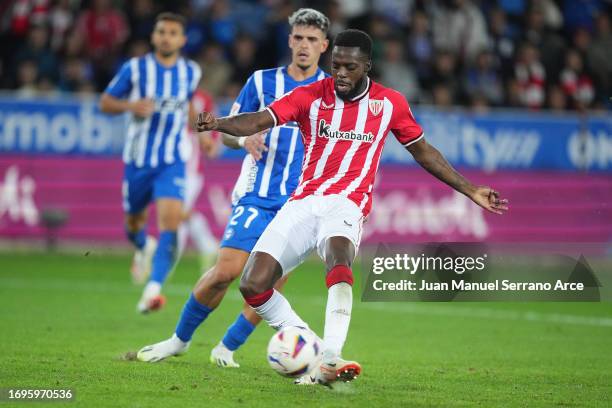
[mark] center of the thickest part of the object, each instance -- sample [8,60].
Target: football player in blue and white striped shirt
[270,173]
[156,91]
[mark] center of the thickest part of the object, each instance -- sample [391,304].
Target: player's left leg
[168,192]
[137,192]
[338,240]
[339,255]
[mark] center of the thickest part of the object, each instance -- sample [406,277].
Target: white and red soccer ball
[294,351]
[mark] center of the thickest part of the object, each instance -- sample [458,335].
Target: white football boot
[334,368]
[310,378]
[162,350]
[223,357]
[151,299]
[142,261]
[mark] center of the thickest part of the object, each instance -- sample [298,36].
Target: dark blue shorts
[142,185]
[245,226]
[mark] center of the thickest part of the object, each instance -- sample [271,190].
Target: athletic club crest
[375,106]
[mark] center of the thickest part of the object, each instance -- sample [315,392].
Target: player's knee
[251,285]
[260,274]
[220,276]
[226,272]
[135,222]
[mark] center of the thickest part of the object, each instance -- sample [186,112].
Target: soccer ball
[293,351]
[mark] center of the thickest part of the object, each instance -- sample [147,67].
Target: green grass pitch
[68,320]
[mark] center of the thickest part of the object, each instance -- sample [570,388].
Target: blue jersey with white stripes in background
[160,139]
[268,182]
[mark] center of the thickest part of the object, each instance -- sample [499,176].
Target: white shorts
[193,187]
[303,225]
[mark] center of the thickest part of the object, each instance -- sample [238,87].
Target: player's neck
[300,74]
[166,61]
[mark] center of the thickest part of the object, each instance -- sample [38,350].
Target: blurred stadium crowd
[536,54]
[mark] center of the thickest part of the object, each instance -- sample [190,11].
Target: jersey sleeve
[121,84]
[403,125]
[247,100]
[291,107]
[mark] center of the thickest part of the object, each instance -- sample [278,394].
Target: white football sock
[199,230]
[277,312]
[337,318]
[182,235]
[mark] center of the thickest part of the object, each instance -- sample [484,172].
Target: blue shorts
[245,226]
[142,185]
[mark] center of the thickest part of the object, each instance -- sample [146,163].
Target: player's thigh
[291,235]
[169,195]
[137,190]
[340,218]
[246,224]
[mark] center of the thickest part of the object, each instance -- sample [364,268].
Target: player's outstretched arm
[432,160]
[244,124]
[254,144]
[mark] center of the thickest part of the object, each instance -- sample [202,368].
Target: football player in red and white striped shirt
[344,121]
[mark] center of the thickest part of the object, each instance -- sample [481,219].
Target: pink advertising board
[409,204]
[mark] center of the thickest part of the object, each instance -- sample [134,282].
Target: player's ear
[368,66]
[324,45]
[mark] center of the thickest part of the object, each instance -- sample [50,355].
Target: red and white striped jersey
[343,140]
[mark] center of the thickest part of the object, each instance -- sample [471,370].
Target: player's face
[168,37]
[349,69]
[307,43]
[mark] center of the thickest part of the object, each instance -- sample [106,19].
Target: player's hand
[256,144]
[142,108]
[206,121]
[489,199]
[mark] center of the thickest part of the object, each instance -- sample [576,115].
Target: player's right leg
[206,296]
[245,226]
[284,244]
[238,332]
[137,193]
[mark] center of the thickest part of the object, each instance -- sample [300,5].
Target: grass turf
[68,321]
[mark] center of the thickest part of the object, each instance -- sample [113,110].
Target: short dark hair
[309,17]
[168,16]
[355,38]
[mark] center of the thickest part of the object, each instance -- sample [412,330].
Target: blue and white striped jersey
[269,182]
[161,138]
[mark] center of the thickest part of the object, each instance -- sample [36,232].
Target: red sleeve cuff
[414,140]
[274,115]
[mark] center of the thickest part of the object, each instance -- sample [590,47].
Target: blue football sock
[194,313]
[163,260]
[238,333]
[138,238]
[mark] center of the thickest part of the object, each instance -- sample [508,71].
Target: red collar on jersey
[361,95]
